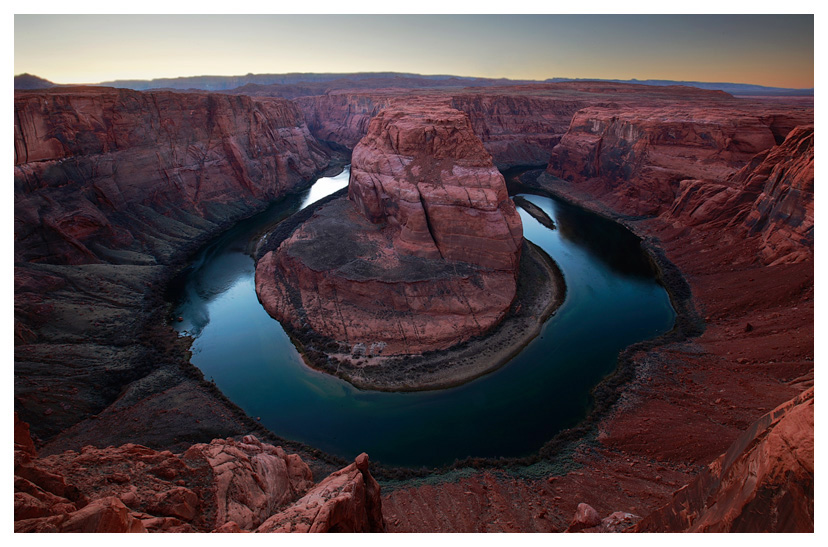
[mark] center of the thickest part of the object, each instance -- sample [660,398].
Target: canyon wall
[518,130]
[90,163]
[113,189]
[772,196]
[635,157]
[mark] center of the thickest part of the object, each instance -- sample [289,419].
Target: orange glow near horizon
[770,50]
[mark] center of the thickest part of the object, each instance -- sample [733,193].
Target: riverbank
[116,371]
[541,290]
[670,409]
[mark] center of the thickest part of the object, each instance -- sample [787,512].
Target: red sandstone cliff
[635,157]
[424,254]
[518,129]
[225,485]
[686,404]
[341,118]
[763,483]
[126,184]
[95,166]
[772,196]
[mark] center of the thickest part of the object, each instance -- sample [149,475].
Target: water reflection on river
[612,301]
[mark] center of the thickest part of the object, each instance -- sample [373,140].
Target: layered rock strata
[422,256]
[684,406]
[94,167]
[687,401]
[225,485]
[772,196]
[636,157]
[113,189]
[763,483]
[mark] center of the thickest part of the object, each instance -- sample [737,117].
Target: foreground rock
[226,484]
[347,501]
[422,256]
[763,483]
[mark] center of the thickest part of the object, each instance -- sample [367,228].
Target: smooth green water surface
[612,301]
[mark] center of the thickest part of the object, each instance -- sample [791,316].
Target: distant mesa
[30,81]
[320,83]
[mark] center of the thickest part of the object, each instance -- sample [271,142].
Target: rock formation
[225,485]
[639,155]
[347,501]
[422,256]
[763,483]
[85,158]
[94,363]
[772,196]
[113,189]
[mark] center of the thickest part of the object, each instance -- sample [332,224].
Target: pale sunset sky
[770,50]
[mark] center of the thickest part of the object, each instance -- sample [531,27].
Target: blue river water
[612,301]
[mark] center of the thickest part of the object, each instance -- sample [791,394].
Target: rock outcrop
[224,485]
[423,254]
[96,167]
[423,172]
[635,157]
[763,483]
[347,501]
[772,196]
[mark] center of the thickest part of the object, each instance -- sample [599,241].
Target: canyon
[115,189]
[423,254]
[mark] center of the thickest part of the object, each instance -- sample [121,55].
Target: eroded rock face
[636,157]
[772,196]
[763,483]
[422,256]
[424,173]
[224,485]
[124,184]
[347,501]
[87,160]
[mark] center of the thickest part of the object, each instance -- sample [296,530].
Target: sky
[771,50]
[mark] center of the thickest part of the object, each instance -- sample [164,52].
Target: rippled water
[612,301]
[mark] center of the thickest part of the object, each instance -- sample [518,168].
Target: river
[612,301]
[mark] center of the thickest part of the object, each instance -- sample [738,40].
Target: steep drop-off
[113,189]
[83,157]
[635,157]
